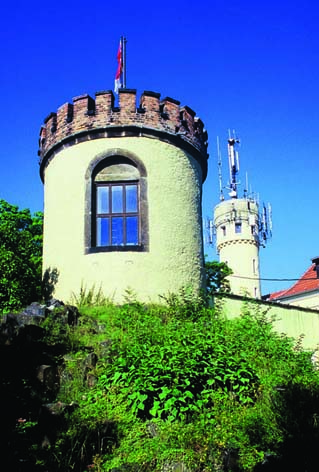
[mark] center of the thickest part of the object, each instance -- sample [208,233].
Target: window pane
[131,198]
[102,231]
[102,200]
[131,230]
[237,227]
[117,199]
[117,231]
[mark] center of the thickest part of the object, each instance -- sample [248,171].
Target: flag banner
[118,84]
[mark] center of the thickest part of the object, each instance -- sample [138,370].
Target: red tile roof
[307,283]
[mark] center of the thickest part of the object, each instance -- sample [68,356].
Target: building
[122,195]
[304,293]
[240,230]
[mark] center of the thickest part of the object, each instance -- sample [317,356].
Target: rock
[52,419]
[48,376]
[91,360]
[105,348]
[67,314]
[89,363]
[35,309]
[175,467]
[72,314]
[53,304]
[91,380]
[8,329]
[129,468]
[20,326]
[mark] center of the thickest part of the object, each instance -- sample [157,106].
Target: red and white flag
[118,74]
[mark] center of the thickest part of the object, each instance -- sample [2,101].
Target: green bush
[216,277]
[198,390]
[175,390]
[20,256]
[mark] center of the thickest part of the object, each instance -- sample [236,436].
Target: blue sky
[248,65]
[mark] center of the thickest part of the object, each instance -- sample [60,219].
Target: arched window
[118,206]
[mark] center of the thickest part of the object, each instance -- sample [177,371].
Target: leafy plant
[181,373]
[20,256]
[216,277]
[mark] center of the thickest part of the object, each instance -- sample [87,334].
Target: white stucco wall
[305,299]
[175,256]
[296,323]
[239,250]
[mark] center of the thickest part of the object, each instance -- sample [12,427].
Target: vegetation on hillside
[177,387]
[141,387]
[20,256]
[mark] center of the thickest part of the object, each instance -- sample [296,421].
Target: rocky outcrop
[30,377]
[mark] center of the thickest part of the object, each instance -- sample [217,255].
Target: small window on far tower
[223,228]
[238,228]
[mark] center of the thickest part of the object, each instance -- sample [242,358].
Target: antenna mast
[233,160]
[219,157]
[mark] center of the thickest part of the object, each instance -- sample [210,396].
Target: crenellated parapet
[87,118]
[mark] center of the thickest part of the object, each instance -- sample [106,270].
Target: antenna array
[265,223]
[209,231]
[264,228]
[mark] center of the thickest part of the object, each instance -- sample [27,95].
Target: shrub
[20,256]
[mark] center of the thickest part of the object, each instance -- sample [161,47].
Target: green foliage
[173,371]
[216,277]
[20,256]
[191,389]
[89,297]
[185,304]
[179,386]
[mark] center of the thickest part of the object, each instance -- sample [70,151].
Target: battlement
[87,118]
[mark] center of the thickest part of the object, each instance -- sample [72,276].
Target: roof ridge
[293,290]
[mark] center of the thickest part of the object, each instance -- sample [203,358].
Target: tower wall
[168,146]
[237,222]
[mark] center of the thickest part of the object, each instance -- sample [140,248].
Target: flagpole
[123,39]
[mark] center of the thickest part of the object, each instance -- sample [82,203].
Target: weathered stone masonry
[86,119]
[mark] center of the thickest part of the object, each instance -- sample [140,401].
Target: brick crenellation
[97,115]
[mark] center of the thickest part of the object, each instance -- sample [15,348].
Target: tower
[240,231]
[122,195]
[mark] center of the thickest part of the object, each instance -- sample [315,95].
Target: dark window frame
[110,215]
[100,161]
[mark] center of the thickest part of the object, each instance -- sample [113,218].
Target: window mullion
[124,213]
[110,214]
[123,228]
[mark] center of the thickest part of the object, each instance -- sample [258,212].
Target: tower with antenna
[240,226]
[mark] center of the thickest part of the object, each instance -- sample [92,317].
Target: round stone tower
[240,231]
[236,223]
[122,200]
